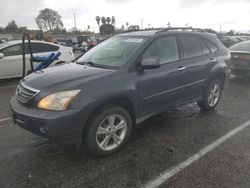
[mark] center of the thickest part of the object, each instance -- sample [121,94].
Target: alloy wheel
[111,132]
[214,95]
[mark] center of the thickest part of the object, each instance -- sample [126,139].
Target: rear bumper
[65,127]
[240,67]
[240,71]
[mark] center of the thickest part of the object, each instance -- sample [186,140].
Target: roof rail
[181,29]
[149,29]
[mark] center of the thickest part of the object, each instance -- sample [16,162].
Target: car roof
[154,32]
[13,42]
[139,33]
[242,42]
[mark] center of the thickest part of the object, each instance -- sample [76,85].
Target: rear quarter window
[213,48]
[205,49]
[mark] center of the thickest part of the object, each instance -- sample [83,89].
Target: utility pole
[75,20]
[142,23]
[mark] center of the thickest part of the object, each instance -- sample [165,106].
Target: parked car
[121,82]
[11,56]
[245,37]
[228,40]
[2,40]
[240,63]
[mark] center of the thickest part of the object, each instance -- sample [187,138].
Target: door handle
[213,60]
[181,68]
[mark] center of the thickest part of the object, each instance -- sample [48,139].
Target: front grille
[24,93]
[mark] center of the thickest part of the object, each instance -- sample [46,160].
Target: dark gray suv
[121,82]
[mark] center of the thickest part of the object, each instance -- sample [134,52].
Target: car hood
[64,76]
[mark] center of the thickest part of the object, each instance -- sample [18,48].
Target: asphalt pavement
[160,143]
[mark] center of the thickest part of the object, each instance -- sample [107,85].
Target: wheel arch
[121,101]
[221,75]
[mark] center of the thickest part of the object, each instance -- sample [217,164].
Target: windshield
[114,52]
[243,46]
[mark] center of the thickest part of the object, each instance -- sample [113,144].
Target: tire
[102,136]
[210,100]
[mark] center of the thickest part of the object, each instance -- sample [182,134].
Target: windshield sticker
[134,40]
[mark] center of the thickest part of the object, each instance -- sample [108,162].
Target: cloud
[23,12]
[190,3]
[118,1]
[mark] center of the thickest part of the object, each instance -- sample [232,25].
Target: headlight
[58,101]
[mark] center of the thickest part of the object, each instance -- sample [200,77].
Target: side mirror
[150,63]
[1,55]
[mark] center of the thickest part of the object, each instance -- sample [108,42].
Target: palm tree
[97,18]
[127,24]
[108,20]
[103,19]
[113,20]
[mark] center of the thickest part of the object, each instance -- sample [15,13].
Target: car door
[158,86]
[11,63]
[194,66]
[43,49]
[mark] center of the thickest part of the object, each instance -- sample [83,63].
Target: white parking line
[176,169]
[5,119]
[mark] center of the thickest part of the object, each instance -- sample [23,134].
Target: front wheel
[211,95]
[107,131]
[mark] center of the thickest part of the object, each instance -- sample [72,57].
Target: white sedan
[11,56]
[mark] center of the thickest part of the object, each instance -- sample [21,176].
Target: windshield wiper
[87,62]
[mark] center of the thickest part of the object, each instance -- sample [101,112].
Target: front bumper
[64,127]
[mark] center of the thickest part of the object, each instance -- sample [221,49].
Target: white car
[11,56]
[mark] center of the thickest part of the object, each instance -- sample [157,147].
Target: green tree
[103,19]
[11,27]
[113,20]
[231,33]
[107,27]
[127,24]
[1,29]
[49,19]
[108,20]
[97,18]
[22,30]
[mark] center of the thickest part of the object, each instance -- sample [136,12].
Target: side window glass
[165,49]
[12,50]
[205,49]
[41,48]
[211,46]
[191,46]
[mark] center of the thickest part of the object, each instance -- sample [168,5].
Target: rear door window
[41,47]
[165,49]
[191,47]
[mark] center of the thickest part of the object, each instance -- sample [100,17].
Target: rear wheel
[107,131]
[211,95]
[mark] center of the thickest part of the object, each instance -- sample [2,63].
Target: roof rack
[149,29]
[181,29]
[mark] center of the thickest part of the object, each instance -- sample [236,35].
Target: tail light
[241,56]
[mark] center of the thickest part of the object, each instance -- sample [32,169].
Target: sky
[227,14]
